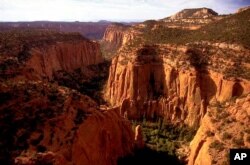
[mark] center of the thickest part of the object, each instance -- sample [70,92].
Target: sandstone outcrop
[192,19]
[139,143]
[39,57]
[194,13]
[223,127]
[115,37]
[46,123]
[153,83]
[63,56]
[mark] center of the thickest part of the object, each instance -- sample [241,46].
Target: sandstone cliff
[194,13]
[167,81]
[191,19]
[47,60]
[223,127]
[115,36]
[38,56]
[44,123]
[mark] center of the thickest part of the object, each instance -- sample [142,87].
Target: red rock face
[139,137]
[47,60]
[67,128]
[115,37]
[227,127]
[37,55]
[154,86]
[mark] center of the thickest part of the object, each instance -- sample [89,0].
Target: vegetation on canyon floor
[165,138]
[162,142]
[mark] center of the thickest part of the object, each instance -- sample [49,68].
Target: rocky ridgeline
[192,19]
[195,13]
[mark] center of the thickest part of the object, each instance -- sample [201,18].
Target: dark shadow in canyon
[199,59]
[148,56]
[237,90]
[150,157]
[88,81]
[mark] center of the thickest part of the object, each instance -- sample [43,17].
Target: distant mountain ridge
[195,13]
[91,30]
[243,9]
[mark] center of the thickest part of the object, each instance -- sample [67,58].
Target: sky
[112,10]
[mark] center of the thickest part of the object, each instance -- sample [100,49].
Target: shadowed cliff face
[174,83]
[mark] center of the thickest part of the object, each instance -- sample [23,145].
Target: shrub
[222,116]
[248,138]
[80,116]
[209,133]
[247,130]
[124,62]
[226,135]
[217,145]
[238,141]
[147,50]
[52,96]
[214,120]
[41,148]
[169,147]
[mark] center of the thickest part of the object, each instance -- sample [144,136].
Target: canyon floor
[171,91]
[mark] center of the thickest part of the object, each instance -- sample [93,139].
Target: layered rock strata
[153,83]
[40,59]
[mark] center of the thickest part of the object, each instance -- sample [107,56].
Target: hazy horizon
[110,10]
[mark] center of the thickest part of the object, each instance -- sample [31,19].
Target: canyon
[45,123]
[175,89]
[152,78]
